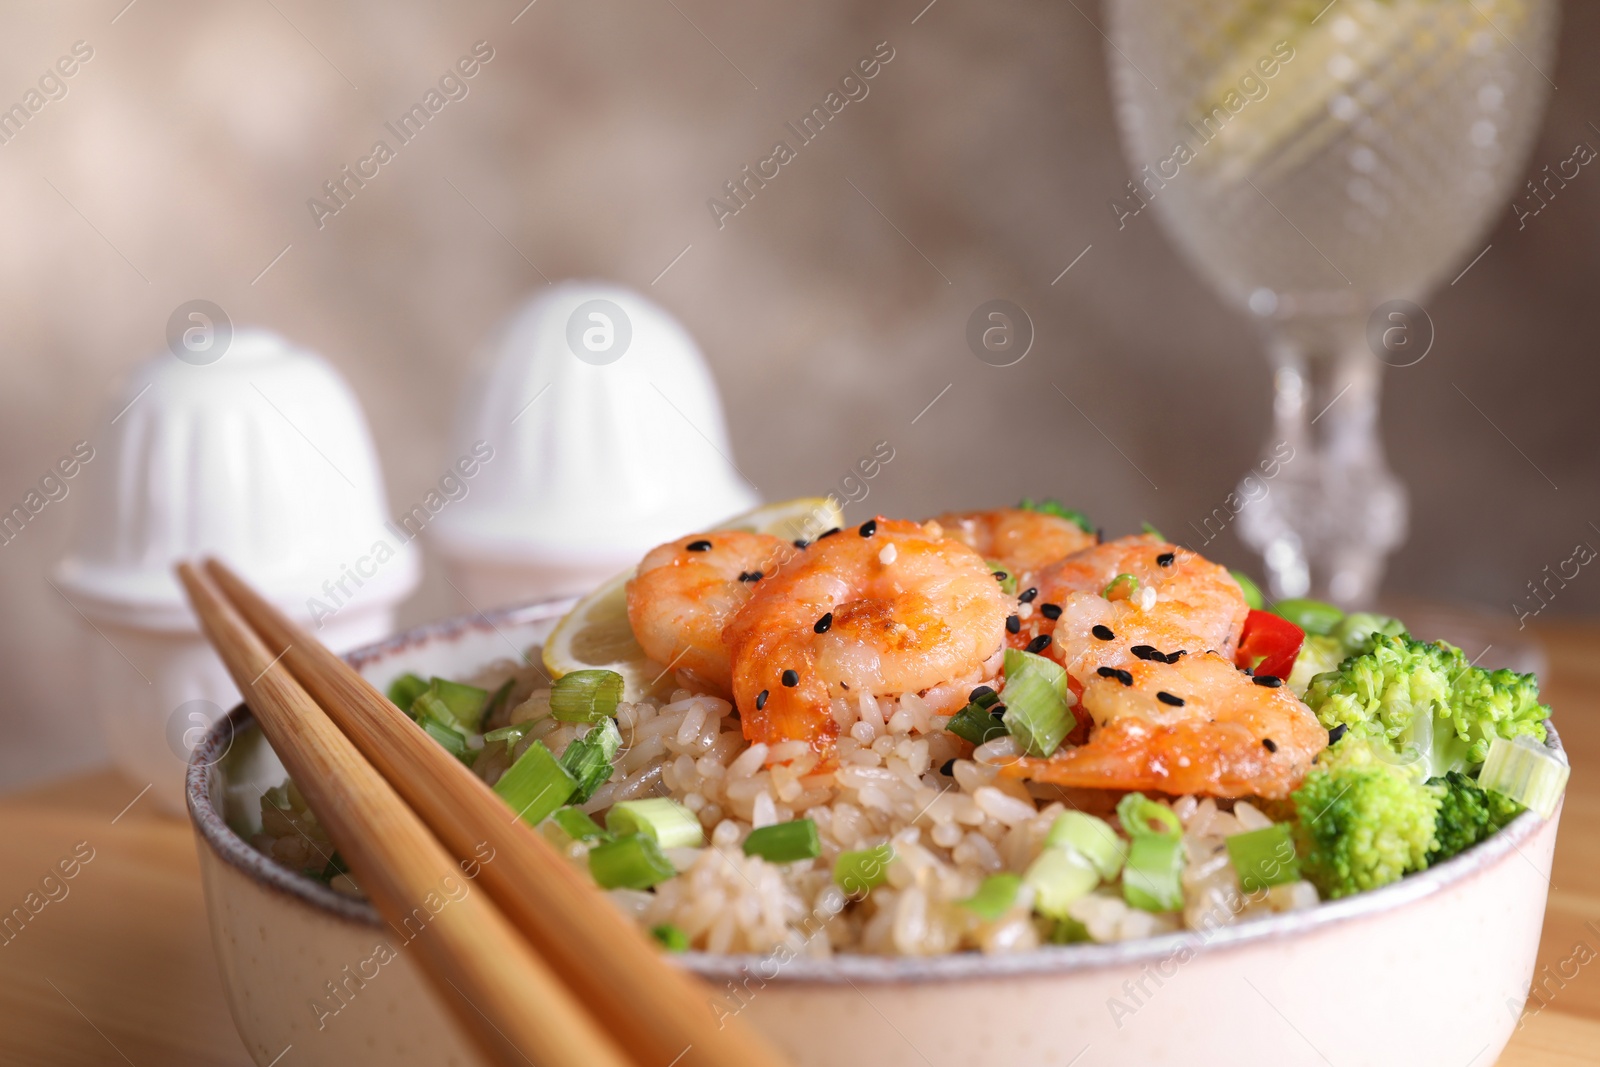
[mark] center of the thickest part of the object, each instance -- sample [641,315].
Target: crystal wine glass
[1324,165]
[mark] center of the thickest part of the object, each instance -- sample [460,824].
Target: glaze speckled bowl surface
[1431,970]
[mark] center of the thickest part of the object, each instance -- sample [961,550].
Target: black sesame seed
[1013,624]
[761,700]
[1050,611]
[824,623]
[1000,576]
[751,576]
[1270,744]
[1103,632]
[1172,657]
[802,543]
[1039,644]
[1115,672]
[998,711]
[1268,680]
[791,679]
[980,692]
[868,528]
[698,546]
[844,685]
[1167,698]
[1165,559]
[1027,595]
[1148,652]
[1247,671]
[948,768]
[1336,733]
[830,533]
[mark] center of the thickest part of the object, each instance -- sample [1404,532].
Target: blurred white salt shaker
[261,457]
[608,438]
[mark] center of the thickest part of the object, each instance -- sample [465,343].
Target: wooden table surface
[119,970]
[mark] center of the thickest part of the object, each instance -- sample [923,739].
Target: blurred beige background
[179,163]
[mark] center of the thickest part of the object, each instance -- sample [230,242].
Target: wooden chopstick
[660,1014]
[508,1000]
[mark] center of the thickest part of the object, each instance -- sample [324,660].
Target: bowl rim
[211,826]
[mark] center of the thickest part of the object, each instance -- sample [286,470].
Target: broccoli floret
[1356,630]
[1467,815]
[1363,821]
[1427,702]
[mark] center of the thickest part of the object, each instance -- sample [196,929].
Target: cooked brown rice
[949,832]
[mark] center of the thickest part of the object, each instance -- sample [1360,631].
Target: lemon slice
[595,634]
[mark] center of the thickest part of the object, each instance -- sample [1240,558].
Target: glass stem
[1322,507]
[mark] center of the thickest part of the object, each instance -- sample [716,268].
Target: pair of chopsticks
[538,967]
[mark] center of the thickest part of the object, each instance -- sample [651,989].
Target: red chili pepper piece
[1270,644]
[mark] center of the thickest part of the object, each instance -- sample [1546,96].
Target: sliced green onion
[1054,507]
[334,868]
[466,702]
[536,785]
[1121,587]
[975,722]
[427,706]
[994,897]
[1251,591]
[864,870]
[509,734]
[668,823]
[1058,877]
[1152,880]
[986,699]
[1093,838]
[1136,812]
[1312,616]
[450,739]
[1152,531]
[632,862]
[672,938]
[404,690]
[577,824]
[498,701]
[1036,702]
[787,842]
[1264,857]
[1527,772]
[588,759]
[1008,581]
[1068,931]
[586,696]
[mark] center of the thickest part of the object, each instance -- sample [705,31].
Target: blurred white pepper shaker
[259,455]
[607,436]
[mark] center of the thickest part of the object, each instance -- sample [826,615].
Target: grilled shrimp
[890,607]
[1180,588]
[685,591]
[1199,725]
[1024,541]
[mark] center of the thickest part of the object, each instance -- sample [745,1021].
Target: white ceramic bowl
[1432,970]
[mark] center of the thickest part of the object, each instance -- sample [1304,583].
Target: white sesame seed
[888,555]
